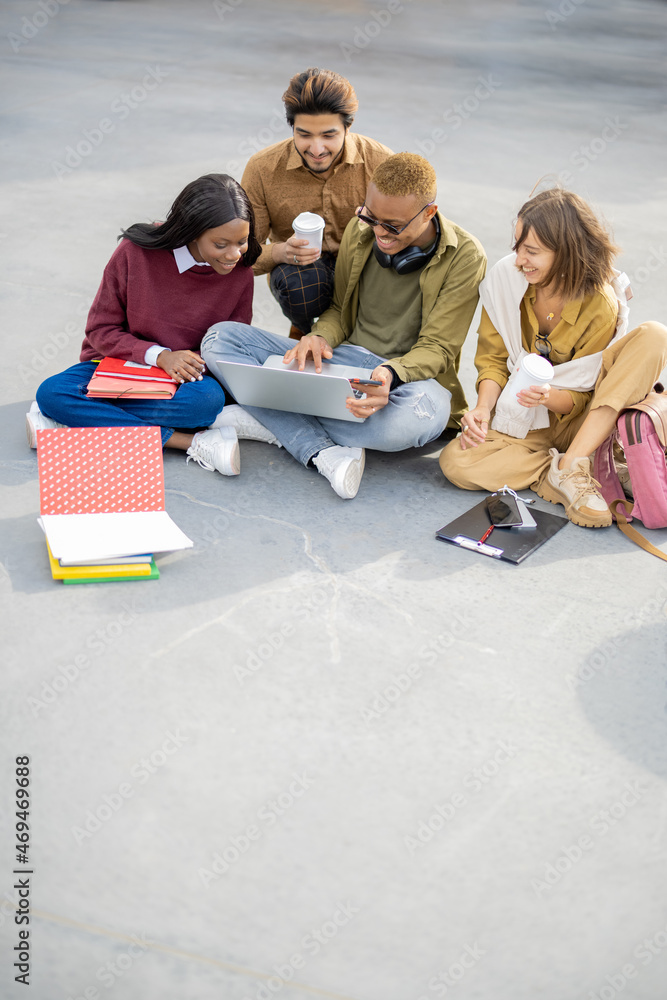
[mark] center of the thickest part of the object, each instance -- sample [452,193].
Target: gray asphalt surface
[326,755]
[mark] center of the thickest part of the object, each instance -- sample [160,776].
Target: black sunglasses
[543,345]
[394,230]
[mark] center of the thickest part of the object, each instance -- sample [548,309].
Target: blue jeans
[416,413]
[63,398]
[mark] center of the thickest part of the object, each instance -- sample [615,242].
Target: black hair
[208,202]
[320,92]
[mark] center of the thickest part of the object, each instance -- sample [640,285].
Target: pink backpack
[642,431]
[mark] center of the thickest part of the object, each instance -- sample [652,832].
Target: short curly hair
[405,174]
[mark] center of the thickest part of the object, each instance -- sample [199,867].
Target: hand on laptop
[312,344]
[377,396]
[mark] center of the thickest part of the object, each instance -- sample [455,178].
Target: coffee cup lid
[538,367]
[308,221]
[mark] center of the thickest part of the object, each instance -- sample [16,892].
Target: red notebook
[116,368]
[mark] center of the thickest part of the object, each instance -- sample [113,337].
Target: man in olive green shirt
[404,296]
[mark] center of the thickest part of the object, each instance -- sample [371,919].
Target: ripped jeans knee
[419,414]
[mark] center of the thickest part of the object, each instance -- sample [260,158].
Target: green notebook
[153,575]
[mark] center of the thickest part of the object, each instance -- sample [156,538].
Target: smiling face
[223,246]
[319,141]
[533,259]
[397,210]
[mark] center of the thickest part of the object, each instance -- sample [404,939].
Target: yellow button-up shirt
[280,187]
[586,326]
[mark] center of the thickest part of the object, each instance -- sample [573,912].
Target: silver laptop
[282,387]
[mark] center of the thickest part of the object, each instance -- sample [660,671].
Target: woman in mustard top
[553,296]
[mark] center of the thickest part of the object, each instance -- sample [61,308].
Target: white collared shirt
[184,261]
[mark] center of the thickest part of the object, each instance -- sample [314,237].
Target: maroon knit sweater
[143,300]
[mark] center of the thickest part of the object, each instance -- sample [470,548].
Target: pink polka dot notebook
[102,493]
[100,470]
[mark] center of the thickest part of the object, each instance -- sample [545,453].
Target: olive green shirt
[448,284]
[390,310]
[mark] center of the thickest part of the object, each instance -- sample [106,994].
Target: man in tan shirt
[324,169]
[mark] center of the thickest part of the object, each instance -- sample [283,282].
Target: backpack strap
[632,533]
[604,471]
[655,405]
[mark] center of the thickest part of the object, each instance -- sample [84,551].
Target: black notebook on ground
[510,544]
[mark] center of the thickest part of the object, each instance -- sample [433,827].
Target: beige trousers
[630,369]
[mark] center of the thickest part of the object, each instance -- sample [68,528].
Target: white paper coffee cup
[309,226]
[533,369]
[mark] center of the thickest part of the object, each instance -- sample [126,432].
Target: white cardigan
[501,293]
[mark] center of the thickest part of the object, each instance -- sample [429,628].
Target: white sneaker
[36,421]
[247,427]
[343,467]
[576,489]
[216,450]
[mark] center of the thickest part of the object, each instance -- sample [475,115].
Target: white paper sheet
[103,536]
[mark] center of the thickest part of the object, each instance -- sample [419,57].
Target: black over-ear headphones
[411,258]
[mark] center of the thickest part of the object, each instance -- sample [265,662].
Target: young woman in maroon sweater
[164,286]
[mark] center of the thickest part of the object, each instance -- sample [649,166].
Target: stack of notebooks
[101,492]
[116,379]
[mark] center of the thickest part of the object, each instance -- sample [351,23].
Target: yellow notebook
[59,572]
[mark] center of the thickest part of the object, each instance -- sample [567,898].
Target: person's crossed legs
[304,292]
[417,412]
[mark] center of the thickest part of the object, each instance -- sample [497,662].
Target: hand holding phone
[369,394]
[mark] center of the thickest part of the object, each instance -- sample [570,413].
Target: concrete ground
[326,756]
